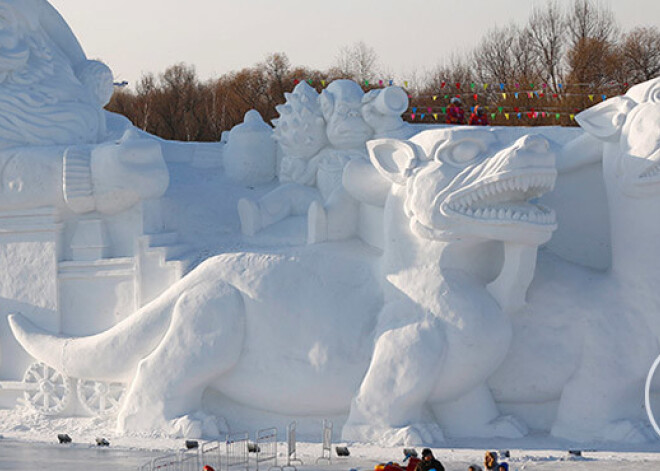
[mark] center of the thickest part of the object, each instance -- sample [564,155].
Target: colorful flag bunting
[435,97]
[323,82]
[422,117]
[296,82]
[485,86]
[391,82]
[472,85]
[506,115]
[604,97]
[557,116]
[435,116]
[444,110]
[428,109]
[591,97]
[572,116]
[442,85]
[405,84]
[516,95]
[475,96]
[415,110]
[501,86]
[413,116]
[492,115]
[499,108]
[504,95]
[458,85]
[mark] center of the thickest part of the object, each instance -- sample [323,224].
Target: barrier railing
[189,460]
[326,453]
[291,447]
[266,442]
[211,455]
[237,451]
[166,463]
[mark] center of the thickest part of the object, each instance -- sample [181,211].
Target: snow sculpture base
[29,250]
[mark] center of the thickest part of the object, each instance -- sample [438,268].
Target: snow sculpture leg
[407,359]
[204,340]
[287,200]
[604,398]
[338,220]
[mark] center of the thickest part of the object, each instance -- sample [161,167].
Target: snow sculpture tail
[112,355]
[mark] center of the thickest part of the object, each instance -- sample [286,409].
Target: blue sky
[217,36]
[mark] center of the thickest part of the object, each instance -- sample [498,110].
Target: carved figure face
[458,186]
[630,127]
[341,104]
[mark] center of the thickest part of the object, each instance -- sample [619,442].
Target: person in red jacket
[478,117]
[455,113]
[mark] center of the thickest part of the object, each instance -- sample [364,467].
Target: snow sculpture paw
[412,435]
[198,425]
[621,431]
[507,426]
[125,172]
[250,216]
[317,224]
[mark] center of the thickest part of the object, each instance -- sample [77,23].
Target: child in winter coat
[455,113]
[478,117]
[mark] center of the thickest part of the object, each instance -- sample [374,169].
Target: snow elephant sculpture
[215,327]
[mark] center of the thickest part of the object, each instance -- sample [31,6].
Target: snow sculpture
[598,332]
[435,339]
[310,163]
[249,156]
[214,328]
[300,132]
[77,191]
[382,109]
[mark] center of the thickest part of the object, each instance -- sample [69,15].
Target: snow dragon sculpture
[214,327]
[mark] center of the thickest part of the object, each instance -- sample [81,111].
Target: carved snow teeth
[512,191]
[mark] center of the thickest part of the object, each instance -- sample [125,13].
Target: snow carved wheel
[100,398]
[46,389]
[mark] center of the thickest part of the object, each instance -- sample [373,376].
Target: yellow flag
[323,82]
[405,84]
[435,115]
[435,97]
[591,97]
[504,95]
[485,86]
[507,116]
[572,117]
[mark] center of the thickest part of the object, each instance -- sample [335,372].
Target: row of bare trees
[578,51]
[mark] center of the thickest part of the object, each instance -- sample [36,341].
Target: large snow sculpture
[77,188]
[215,328]
[441,332]
[587,338]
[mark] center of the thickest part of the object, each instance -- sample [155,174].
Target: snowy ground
[30,442]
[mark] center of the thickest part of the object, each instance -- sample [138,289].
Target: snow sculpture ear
[605,120]
[327,102]
[394,159]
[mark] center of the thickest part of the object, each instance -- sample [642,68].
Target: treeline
[563,60]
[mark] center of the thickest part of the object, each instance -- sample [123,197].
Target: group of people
[455,114]
[430,463]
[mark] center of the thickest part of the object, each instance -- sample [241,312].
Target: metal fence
[291,446]
[166,463]
[210,452]
[189,460]
[237,451]
[266,441]
[326,452]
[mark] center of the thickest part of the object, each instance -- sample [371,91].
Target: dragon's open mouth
[506,199]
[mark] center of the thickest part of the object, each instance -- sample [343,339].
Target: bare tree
[591,20]
[641,53]
[493,59]
[357,62]
[546,29]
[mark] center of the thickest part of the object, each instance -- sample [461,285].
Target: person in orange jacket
[455,113]
[478,117]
